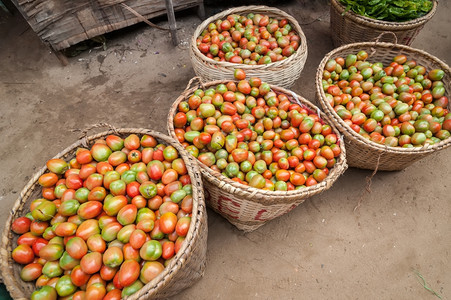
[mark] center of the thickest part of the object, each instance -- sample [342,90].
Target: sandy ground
[320,250]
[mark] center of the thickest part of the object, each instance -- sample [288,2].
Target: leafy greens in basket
[389,10]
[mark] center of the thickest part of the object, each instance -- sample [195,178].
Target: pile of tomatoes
[108,221]
[256,136]
[252,39]
[399,105]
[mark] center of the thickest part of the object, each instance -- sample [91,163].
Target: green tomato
[64,286]
[151,250]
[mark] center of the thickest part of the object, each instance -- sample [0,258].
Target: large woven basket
[283,73]
[183,271]
[246,207]
[363,153]
[348,27]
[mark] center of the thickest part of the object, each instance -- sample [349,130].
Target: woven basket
[363,153]
[183,271]
[348,27]
[246,207]
[283,73]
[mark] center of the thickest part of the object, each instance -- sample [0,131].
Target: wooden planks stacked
[62,23]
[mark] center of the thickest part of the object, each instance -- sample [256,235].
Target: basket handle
[84,132]
[378,38]
[193,82]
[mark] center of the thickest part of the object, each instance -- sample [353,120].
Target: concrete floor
[320,250]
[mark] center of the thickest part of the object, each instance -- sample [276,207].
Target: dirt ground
[323,249]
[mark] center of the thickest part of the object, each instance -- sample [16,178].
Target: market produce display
[255,136]
[402,104]
[389,10]
[108,221]
[248,39]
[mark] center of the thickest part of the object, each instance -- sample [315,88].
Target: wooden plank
[62,23]
[172,23]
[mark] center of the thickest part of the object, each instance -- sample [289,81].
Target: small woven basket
[183,271]
[283,73]
[363,153]
[348,27]
[247,207]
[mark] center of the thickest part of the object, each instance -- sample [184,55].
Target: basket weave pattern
[363,153]
[246,207]
[185,269]
[348,27]
[283,73]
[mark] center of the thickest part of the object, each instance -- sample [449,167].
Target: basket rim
[345,128]
[385,25]
[241,9]
[178,260]
[254,193]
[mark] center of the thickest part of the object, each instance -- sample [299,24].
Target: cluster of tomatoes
[109,220]
[399,105]
[256,136]
[252,39]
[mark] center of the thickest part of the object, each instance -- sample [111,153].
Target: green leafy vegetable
[389,10]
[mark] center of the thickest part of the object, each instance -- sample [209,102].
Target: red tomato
[78,277]
[21,225]
[168,222]
[74,182]
[31,272]
[297,179]
[182,226]
[310,181]
[103,167]
[96,243]
[134,156]
[132,189]
[91,262]
[37,227]
[27,238]
[169,175]
[179,243]
[48,193]
[83,156]
[96,291]
[168,250]
[129,272]
[137,238]
[87,170]
[132,142]
[76,247]
[48,179]
[80,295]
[23,254]
[38,244]
[150,270]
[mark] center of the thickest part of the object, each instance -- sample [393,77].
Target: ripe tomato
[76,247]
[91,262]
[168,249]
[78,277]
[132,189]
[21,225]
[31,272]
[128,273]
[96,291]
[150,270]
[182,226]
[23,254]
[48,179]
[114,294]
[38,244]
[168,222]
[138,238]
